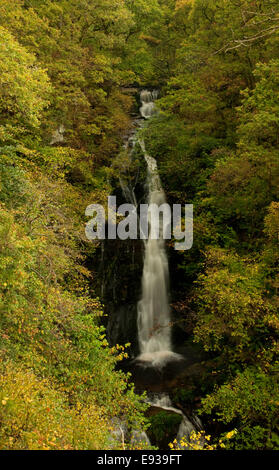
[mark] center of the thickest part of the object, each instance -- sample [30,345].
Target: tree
[24,86]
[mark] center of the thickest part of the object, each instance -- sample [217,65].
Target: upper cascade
[147,98]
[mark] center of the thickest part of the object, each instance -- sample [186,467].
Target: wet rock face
[120,274]
[122,326]
[116,268]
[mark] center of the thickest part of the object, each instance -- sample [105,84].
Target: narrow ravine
[153,309]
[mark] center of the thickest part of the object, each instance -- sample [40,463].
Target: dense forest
[70,76]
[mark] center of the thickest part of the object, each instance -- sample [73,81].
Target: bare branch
[246,41]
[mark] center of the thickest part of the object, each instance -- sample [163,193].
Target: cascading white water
[154,329]
[147,98]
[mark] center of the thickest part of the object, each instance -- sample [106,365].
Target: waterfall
[154,319]
[147,98]
[154,316]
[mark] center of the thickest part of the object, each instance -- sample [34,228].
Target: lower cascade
[154,330]
[187,427]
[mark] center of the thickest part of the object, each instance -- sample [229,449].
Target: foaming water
[159,358]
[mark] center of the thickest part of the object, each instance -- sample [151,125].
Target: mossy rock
[164,428]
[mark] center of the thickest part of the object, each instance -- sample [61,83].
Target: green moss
[163,429]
